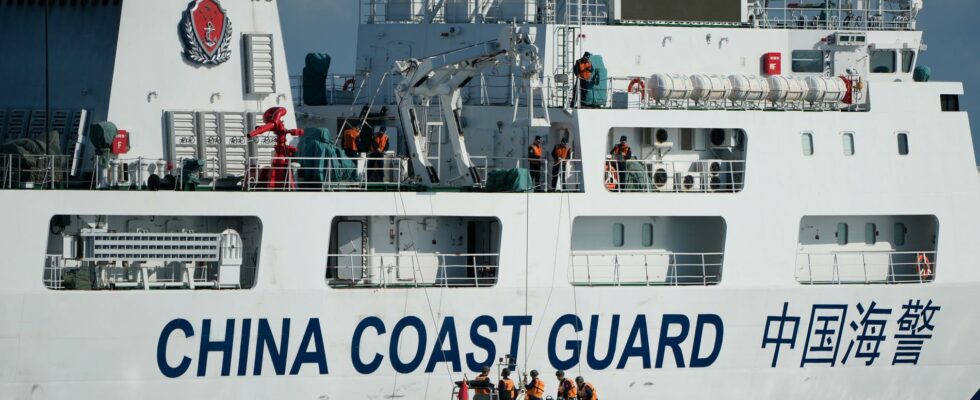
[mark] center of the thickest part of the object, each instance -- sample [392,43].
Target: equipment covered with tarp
[597,96]
[321,161]
[315,79]
[636,176]
[510,180]
[29,161]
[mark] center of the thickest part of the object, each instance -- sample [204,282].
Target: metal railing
[585,12]
[705,176]
[645,269]
[819,14]
[53,277]
[866,267]
[412,270]
[547,176]
[34,172]
[326,174]
[340,89]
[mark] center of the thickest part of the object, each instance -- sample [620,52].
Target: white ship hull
[106,344]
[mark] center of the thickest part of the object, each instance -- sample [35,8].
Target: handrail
[639,268]
[567,177]
[701,176]
[866,267]
[326,174]
[412,270]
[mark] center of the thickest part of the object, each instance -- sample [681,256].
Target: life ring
[612,177]
[638,83]
[349,85]
[924,265]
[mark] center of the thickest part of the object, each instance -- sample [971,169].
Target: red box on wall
[120,143]
[772,64]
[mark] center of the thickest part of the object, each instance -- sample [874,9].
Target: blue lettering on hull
[273,346]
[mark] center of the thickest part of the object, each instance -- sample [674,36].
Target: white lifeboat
[748,88]
[710,89]
[825,90]
[786,89]
[669,87]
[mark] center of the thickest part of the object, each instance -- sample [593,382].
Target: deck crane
[443,76]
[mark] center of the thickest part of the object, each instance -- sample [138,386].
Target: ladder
[566,40]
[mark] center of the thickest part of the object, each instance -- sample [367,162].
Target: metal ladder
[566,39]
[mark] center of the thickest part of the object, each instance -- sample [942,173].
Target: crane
[443,76]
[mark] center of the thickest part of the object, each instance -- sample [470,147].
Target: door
[350,250]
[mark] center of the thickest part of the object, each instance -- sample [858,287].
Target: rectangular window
[687,139]
[807,144]
[647,235]
[900,232]
[883,61]
[619,236]
[903,144]
[848,139]
[870,233]
[842,233]
[807,61]
[908,60]
[950,102]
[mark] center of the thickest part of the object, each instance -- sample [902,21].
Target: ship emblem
[206,31]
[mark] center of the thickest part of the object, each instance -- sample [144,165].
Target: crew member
[585,390]
[506,390]
[379,145]
[584,71]
[483,387]
[348,141]
[534,155]
[566,388]
[559,155]
[621,153]
[535,388]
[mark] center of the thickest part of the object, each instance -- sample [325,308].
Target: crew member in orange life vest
[534,155]
[584,72]
[348,141]
[559,155]
[566,388]
[379,145]
[483,389]
[506,390]
[535,388]
[621,153]
[585,390]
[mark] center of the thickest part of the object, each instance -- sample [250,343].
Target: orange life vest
[588,388]
[486,390]
[584,69]
[537,389]
[380,143]
[567,389]
[349,139]
[621,150]
[535,151]
[507,386]
[561,152]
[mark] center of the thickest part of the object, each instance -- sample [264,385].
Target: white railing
[53,277]
[645,269]
[412,270]
[702,176]
[803,14]
[340,89]
[326,174]
[866,267]
[565,176]
[34,172]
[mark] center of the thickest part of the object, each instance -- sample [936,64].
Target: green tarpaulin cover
[28,161]
[510,180]
[597,96]
[636,176]
[319,157]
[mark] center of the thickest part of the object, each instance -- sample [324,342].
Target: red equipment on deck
[279,175]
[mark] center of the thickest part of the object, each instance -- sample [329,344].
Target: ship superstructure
[795,217]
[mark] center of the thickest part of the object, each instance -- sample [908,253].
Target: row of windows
[871,233]
[882,61]
[848,143]
[619,235]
